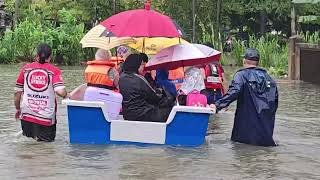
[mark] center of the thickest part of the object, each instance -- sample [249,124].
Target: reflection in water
[297,131]
[254,161]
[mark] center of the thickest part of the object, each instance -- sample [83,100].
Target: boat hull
[89,124]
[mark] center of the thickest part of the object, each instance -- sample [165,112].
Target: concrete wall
[310,65]
[304,61]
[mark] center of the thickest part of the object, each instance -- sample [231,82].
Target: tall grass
[273,55]
[313,38]
[211,36]
[238,49]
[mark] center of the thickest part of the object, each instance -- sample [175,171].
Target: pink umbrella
[141,23]
[182,55]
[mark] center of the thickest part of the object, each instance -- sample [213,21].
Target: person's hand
[18,113]
[159,90]
[213,107]
[198,104]
[68,96]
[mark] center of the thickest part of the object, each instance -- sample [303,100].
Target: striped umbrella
[99,37]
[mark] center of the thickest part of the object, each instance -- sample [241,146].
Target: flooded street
[297,131]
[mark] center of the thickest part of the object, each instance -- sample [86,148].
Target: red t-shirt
[39,82]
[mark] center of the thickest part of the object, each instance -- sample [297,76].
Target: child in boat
[191,87]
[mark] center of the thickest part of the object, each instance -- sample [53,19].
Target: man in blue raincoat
[257,102]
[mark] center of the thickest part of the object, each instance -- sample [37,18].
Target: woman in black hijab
[140,101]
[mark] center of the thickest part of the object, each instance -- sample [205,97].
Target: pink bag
[194,98]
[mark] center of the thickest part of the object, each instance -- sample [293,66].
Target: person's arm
[152,96]
[114,76]
[149,78]
[17,100]
[18,93]
[62,93]
[277,99]
[224,83]
[58,85]
[232,93]
[223,79]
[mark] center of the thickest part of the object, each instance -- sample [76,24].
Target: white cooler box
[113,100]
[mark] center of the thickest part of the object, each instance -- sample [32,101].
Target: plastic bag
[193,80]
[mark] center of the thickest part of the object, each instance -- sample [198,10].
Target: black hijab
[132,63]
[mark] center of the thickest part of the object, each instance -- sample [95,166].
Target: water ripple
[297,131]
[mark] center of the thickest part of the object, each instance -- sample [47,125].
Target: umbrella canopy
[182,55]
[98,37]
[141,23]
[154,45]
[95,38]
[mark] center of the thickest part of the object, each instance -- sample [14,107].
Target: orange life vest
[97,72]
[176,76]
[116,60]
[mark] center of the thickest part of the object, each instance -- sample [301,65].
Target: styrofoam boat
[90,123]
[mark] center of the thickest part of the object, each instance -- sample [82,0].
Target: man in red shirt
[35,99]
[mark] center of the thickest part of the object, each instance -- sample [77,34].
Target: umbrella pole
[143,45]
[117,57]
[193,22]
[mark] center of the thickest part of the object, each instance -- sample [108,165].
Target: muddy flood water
[297,132]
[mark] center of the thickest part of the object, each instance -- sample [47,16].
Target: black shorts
[38,132]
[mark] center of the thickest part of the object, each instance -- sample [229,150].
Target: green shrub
[19,45]
[6,48]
